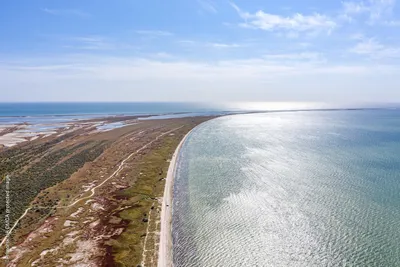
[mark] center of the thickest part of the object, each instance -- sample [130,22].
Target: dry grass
[108,229]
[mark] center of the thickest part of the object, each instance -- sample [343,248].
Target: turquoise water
[97,108]
[60,113]
[290,189]
[139,108]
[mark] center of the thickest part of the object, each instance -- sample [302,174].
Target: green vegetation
[128,248]
[122,209]
[13,159]
[51,169]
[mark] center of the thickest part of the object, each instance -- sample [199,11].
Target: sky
[200,50]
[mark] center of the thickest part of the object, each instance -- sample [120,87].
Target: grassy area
[116,219]
[51,169]
[127,249]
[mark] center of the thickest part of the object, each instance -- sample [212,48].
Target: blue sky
[200,50]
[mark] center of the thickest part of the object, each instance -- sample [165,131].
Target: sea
[297,185]
[62,112]
[299,188]
[39,109]
[98,108]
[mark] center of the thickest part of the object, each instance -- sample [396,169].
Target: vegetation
[122,214]
[52,168]
[152,168]
[13,159]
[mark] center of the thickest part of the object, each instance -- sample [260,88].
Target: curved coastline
[165,258]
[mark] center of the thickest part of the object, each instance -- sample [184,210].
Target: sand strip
[165,252]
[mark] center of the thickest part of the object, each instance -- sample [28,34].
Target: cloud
[186,42]
[273,77]
[374,49]
[93,42]
[374,9]
[304,44]
[392,23]
[67,12]
[223,45]
[367,47]
[154,33]
[217,45]
[162,55]
[357,36]
[207,5]
[296,23]
[355,7]
[304,56]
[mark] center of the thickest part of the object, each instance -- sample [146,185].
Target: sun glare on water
[266,106]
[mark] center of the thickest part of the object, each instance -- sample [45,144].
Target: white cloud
[304,44]
[186,42]
[392,23]
[296,23]
[288,70]
[90,43]
[66,12]
[374,49]
[207,5]
[93,42]
[296,77]
[154,33]
[223,45]
[162,55]
[354,7]
[367,47]
[305,56]
[292,35]
[217,45]
[374,9]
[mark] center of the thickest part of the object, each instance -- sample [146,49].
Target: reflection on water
[290,189]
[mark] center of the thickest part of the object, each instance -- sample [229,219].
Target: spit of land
[84,195]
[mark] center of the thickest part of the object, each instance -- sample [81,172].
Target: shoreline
[165,258]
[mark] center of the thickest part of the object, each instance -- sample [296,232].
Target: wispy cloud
[392,23]
[304,44]
[91,43]
[94,43]
[223,45]
[211,44]
[374,9]
[141,78]
[186,42]
[207,5]
[374,49]
[67,12]
[296,23]
[154,33]
[305,56]
[162,55]
[357,36]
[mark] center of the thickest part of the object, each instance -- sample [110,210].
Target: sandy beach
[165,250]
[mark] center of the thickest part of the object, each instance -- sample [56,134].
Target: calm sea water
[39,113]
[136,108]
[41,109]
[290,189]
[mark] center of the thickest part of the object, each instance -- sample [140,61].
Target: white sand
[165,251]
[21,134]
